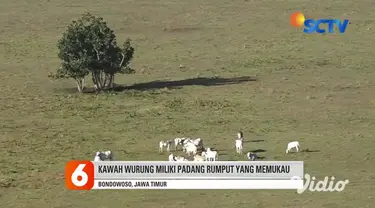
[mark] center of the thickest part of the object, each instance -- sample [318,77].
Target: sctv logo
[298,19]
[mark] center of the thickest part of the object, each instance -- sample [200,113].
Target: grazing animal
[171,158]
[239,146]
[210,155]
[99,156]
[178,142]
[185,142]
[198,142]
[190,148]
[102,156]
[109,155]
[291,145]
[180,158]
[208,149]
[240,135]
[165,144]
[198,158]
[251,156]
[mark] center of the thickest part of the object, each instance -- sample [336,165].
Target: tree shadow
[202,81]
[176,84]
[87,90]
[258,150]
[259,140]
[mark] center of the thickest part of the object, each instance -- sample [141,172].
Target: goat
[164,144]
[251,156]
[291,145]
[239,146]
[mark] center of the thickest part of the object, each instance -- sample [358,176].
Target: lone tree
[89,46]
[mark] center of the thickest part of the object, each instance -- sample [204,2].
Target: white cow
[210,155]
[171,158]
[208,149]
[185,142]
[251,156]
[165,144]
[291,145]
[240,135]
[178,142]
[190,148]
[239,146]
[198,142]
[102,156]
[109,155]
[198,158]
[180,158]
[99,157]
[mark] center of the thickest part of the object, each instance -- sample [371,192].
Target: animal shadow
[259,140]
[307,150]
[261,158]
[259,150]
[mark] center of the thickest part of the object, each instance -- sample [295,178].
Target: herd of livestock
[193,148]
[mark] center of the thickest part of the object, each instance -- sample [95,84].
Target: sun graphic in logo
[297,19]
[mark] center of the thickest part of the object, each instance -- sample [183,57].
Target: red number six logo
[79,175]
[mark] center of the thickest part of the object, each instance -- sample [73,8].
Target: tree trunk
[109,80]
[97,80]
[83,83]
[93,77]
[112,80]
[106,80]
[79,85]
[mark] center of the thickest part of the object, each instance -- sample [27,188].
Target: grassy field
[203,69]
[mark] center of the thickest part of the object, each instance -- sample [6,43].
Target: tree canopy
[89,46]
